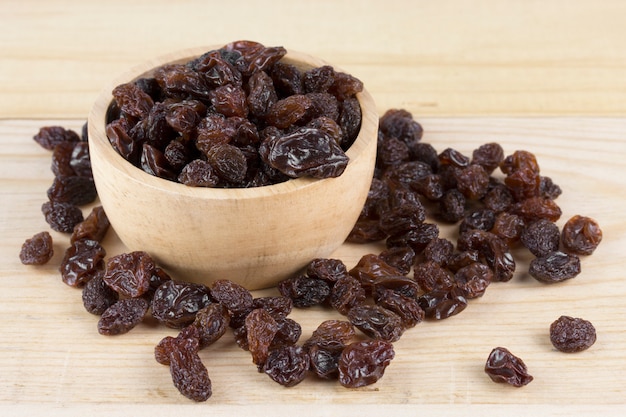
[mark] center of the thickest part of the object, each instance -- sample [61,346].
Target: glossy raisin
[122,316]
[431,276]
[189,374]
[440,304]
[570,335]
[198,173]
[74,190]
[473,279]
[37,250]
[364,363]
[176,303]
[228,162]
[132,100]
[82,262]
[330,333]
[407,308]
[371,267]
[504,367]
[330,270]
[324,360]
[346,293]
[489,156]
[376,322]
[212,322]
[94,227]
[129,273]
[581,235]
[555,267]
[260,331]
[61,159]
[232,295]
[287,365]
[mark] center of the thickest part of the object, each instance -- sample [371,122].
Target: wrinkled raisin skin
[570,335]
[503,366]
[364,363]
[37,250]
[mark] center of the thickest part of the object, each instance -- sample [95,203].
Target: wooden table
[547,76]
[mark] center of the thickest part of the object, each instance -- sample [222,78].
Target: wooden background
[547,76]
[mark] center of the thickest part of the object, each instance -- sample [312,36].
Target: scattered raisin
[376,322]
[503,366]
[122,316]
[130,273]
[176,303]
[37,250]
[364,363]
[569,334]
[82,262]
[62,217]
[98,296]
[555,267]
[287,365]
[581,235]
[50,136]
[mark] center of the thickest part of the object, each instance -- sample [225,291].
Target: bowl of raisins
[239,162]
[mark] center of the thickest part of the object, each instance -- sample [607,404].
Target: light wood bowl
[254,236]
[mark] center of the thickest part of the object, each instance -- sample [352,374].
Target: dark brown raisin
[262,95]
[98,296]
[289,332]
[94,227]
[400,257]
[233,296]
[198,173]
[228,162]
[330,270]
[37,250]
[74,190]
[439,251]
[452,206]
[570,335]
[376,322]
[122,316]
[324,360]
[541,237]
[473,279]
[153,162]
[489,156]
[346,293]
[289,111]
[472,181]
[287,79]
[61,159]
[350,121]
[555,267]
[287,365]
[431,276]
[399,124]
[406,308]
[212,322]
[50,136]
[80,161]
[229,100]
[304,291]
[482,219]
[331,332]
[82,262]
[364,363]
[176,303]
[132,100]
[371,267]
[508,227]
[189,374]
[130,273]
[279,306]
[440,304]
[581,235]
[345,86]
[260,330]
[502,366]
[397,283]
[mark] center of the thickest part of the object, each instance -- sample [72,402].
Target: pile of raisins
[238,116]
[417,276]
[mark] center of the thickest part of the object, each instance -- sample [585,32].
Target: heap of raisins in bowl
[418,276]
[238,116]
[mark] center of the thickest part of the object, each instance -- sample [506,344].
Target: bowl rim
[98,140]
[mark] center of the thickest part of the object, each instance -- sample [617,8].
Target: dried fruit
[37,250]
[555,267]
[98,296]
[570,335]
[82,262]
[287,365]
[376,322]
[129,273]
[62,217]
[581,235]
[503,366]
[123,316]
[176,303]
[364,363]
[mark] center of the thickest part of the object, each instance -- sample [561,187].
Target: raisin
[176,303]
[304,291]
[473,279]
[492,249]
[498,198]
[519,160]
[570,335]
[73,190]
[198,173]
[178,80]
[523,183]
[504,367]
[184,116]
[216,69]
[536,208]
[548,189]
[94,227]
[438,251]
[153,162]
[132,100]
[61,159]
[260,330]
[581,235]
[330,333]
[325,108]
[399,123]
[366,230]
[262,95]
[391,151]
[440,304]
[350,121]
[481,219]
[129,273]
[452,206]
[541,237]
[289,332]
[364,363]
[346,293]
[431,276]
[289,111]
[98,296]
[376,322]
[212,322]
[82,261]
[277,306]
[228,162]
[399,257]
[324,360]
[406,308]
[177,155]
[189,374]
[287,365]
[508,227]
[50,136]
[305,152]
[287,79]
[489,156]
[122,316]
[80,161]
[37,250]
[233,296]
[472,181]
[229,100]
[330,270]
[555,267]
[345,86]
[397,283]
[371,267]
[188,336]
[417,238]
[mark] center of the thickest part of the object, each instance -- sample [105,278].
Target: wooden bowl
[254,236]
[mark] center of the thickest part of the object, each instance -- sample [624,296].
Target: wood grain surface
[547,76]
